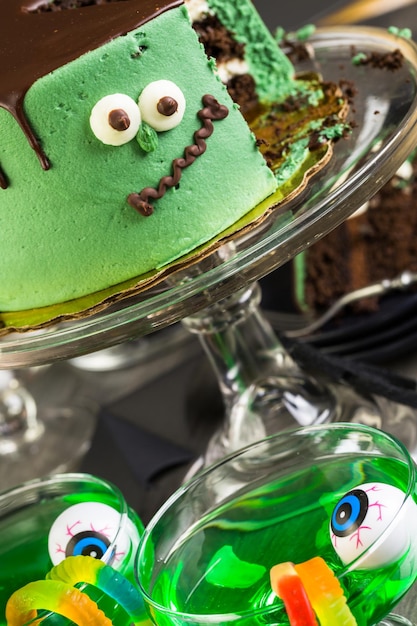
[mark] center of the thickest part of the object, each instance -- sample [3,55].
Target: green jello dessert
[121,149]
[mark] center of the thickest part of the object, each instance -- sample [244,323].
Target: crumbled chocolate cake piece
[316,141]
[379,243]
[391,60]
[218,42]
[242,90]
[327,274]
[296,51]
[349,90]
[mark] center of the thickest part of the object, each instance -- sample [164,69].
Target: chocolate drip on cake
[69,28]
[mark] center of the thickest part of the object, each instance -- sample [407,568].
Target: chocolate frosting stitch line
[3,181]
[212,110]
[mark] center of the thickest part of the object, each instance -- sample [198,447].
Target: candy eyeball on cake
[373,520]
[162,104]
[115,119]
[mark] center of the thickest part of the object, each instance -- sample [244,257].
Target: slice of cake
[378,242]
[121,149]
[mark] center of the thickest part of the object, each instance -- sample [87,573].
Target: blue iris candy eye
[91,529]
[349,513]
[362,528]
[87,543]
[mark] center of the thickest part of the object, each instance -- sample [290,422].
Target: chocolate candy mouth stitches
[212,110]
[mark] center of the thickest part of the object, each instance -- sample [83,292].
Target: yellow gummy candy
[53,596]
[77,569]
[325,593]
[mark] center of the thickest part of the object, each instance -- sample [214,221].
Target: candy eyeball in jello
[373,517]
[89,529]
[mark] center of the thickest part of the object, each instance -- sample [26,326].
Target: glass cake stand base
[264,391]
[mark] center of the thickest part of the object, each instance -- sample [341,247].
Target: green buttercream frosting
[272,71]
[147,137]
[279,35]
[304,33]
[406,33]
[333,132]
[295,156]
[359,58]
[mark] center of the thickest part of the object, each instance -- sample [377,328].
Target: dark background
[295,13]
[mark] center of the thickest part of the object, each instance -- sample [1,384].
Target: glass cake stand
[217,296]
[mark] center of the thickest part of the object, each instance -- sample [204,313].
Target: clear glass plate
[385,113]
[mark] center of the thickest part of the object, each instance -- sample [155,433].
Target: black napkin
[363,377]
[146,453]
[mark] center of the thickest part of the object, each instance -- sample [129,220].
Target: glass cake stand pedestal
[263,389]
[217,296]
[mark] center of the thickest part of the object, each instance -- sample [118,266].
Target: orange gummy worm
[287,585]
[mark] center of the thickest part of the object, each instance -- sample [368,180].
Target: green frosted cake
[121,149]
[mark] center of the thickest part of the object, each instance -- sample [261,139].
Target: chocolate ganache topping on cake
[40,40]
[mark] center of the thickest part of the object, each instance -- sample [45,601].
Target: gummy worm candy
[311,588]
[86,569]
[287,585]
[55,596]
[325,593]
